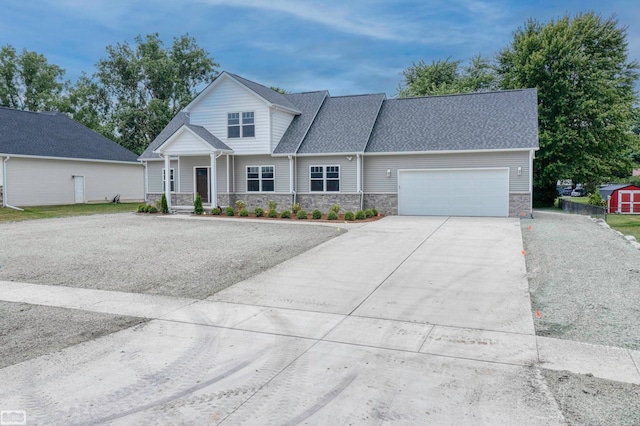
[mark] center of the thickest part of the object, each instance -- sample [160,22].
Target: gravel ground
[152,255]
[585,281]
[28,331]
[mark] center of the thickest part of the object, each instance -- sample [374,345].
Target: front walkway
[408,320]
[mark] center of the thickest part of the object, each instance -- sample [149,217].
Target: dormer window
[238,129]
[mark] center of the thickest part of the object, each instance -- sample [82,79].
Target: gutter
[4,183]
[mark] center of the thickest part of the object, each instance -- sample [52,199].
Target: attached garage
[454,192]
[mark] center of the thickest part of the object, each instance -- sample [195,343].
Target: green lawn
[579,200]
[626,223]
[45,212]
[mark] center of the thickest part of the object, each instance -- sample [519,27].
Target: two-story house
[465,155]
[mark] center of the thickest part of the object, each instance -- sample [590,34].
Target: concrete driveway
[405,320]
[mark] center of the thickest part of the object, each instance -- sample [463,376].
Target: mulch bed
[295,218]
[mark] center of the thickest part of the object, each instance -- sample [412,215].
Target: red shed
[622,198]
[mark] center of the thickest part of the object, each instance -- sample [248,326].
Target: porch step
[182,209]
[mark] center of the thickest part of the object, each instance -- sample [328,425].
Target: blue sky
[346,47]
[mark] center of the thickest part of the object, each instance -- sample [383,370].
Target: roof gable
[55,135]
[343,125]
[176,122]
[476,121]
[309,103]
[189,139]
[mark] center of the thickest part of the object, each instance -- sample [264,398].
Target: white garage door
[454,192]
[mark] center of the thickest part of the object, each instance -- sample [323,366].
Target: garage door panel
[460,192]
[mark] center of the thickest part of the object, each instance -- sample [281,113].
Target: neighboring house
[48,158]
[462,155]
[621,198]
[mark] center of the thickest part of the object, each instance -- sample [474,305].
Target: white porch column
[291,180]
[167,179]
[214,182]
[228,176]
[359,173]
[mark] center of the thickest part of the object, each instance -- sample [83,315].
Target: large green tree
[444,77]
[586,96]
[29,82]
[137,90]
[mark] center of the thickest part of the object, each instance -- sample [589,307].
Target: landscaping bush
[272,205]
[142,208]
[229,211]
[349,216]
[286,214]
[335,208]
[295,208]
[259,212]
[241,205]
[243,212]
[368,213]
[216,211]
[360,215]
[375,212]
[316,214]
[164,207]
[301,214]
[596,199]
[272,213]
[153,209]
[332,215]
[197,205]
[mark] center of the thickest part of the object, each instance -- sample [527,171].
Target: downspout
[359,179]
[4,186]
[532,156]
[292,189]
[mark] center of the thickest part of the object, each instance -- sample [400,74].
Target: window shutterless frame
[324,178]
[171,179]
[241,129]
[261,178]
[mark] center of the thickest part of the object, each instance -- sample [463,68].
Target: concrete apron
[409,320]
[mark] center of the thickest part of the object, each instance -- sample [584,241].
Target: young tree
[29,82]
[586,96]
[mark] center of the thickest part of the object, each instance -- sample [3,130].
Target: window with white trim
[172,181]
[241,129]
[324,178]
[260,178]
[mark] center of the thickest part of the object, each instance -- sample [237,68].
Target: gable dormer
[248,117]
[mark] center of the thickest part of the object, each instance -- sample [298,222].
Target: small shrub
[197,205]
[216,211]
[164,207]
[596,199]
[375,212]
[153,209]
[145,209]
[158,203]
[259,212]
[229,211]
[316,214]
[301,214]
[272,213]
[332,215]
[295,208]
[360,215]
[349,216]
[335,208]
[243,213]
[286,214]
[241,205]
[141,208]
[272,205]
[368,213]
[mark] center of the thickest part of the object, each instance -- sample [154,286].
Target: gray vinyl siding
[348,171]
[187,165]
[376,166]
[154,175]
[281,165]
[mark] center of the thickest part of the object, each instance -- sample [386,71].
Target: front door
[202,183]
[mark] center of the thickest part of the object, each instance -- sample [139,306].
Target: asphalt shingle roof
[343,124]
[267,93]
[477,121]
[48,134]
[175,123]
[605,191]
[309,104]
[208,137]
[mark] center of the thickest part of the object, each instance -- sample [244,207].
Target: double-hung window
[172,181]
[324,178]
[241,129]
[260,178]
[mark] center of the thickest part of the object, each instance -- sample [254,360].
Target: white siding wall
[281,165]
[33,182]
[186,144]
[348,171]
[154,175]
[211,113]
[375,167]
[280,121]
[1,166]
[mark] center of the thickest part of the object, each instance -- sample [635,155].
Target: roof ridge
[450,95]
[360,94]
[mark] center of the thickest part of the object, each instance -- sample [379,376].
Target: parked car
[578,192]
[566,191]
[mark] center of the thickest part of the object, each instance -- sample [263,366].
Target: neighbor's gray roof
[605,191]
[177,122]
[47,134]
[309,104]
[267,93]
[208,137]
[477,121]
[343,124]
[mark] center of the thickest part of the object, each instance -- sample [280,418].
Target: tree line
[589,119]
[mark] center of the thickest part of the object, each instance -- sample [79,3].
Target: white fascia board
[325,154]
[90,160]
[459,151]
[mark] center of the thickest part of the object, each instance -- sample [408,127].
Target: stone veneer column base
[386,204]
[520,205]
[324,201]
[1,196]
